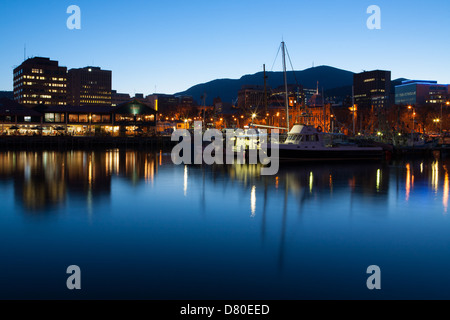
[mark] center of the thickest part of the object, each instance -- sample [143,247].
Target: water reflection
[229,218]
[44,179]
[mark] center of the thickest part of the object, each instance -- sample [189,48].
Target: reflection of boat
[307,143]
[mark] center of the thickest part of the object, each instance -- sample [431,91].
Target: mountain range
[335,82]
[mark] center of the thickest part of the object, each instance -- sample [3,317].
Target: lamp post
[413,120]
[253,117]
[447,103]
[413,115]
[438,121]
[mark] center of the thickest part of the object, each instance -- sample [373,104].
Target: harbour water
[140,227]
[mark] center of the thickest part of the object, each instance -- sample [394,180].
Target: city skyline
[170,48]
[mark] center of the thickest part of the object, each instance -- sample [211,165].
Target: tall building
[372,89]
[420,92]
[40,81]
[251,96]
[89,86]
[119,98]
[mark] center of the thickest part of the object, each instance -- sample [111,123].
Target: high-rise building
[89,86]
[40,81]
[372,89]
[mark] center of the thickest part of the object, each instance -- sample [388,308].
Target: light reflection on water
[222,231]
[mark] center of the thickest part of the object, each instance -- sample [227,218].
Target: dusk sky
[169,46]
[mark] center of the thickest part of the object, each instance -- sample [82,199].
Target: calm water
[140,227]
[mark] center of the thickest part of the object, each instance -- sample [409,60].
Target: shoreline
[34,143]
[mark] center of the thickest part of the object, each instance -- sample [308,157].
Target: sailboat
[308,143]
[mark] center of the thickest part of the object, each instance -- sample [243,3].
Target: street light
[414,113]
[447,103]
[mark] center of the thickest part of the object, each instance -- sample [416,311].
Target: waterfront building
[372,89]
[421,92]
[128,118]
[40,81]
[17,117]
[89,86]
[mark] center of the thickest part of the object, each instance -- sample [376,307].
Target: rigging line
[293,71]
[279,48]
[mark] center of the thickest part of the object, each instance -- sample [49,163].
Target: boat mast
[353,109]
[265,91]
[285,86]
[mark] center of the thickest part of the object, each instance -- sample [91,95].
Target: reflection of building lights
[435,176]
[408,181]
[421,167]
[185,180]
[446,191]
[90,172]
[378,179]
[311,181]
[253,201]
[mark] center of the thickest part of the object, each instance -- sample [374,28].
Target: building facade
[251,96]
[119,98]
[420,92]
[372,89]
[89,86]
[40,81]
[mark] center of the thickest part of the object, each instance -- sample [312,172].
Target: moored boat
[306,143]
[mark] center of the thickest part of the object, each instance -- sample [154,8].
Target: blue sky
[169,46]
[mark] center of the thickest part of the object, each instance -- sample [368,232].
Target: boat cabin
[305,136]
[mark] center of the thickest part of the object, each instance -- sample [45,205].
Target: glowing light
[435,176]
[378,179]
[408,181]
[185,185]
[253,201]
[311,181]
[446,191]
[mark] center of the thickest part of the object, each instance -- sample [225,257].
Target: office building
[40,81]
[421,92]
[89,86]
[372,89]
